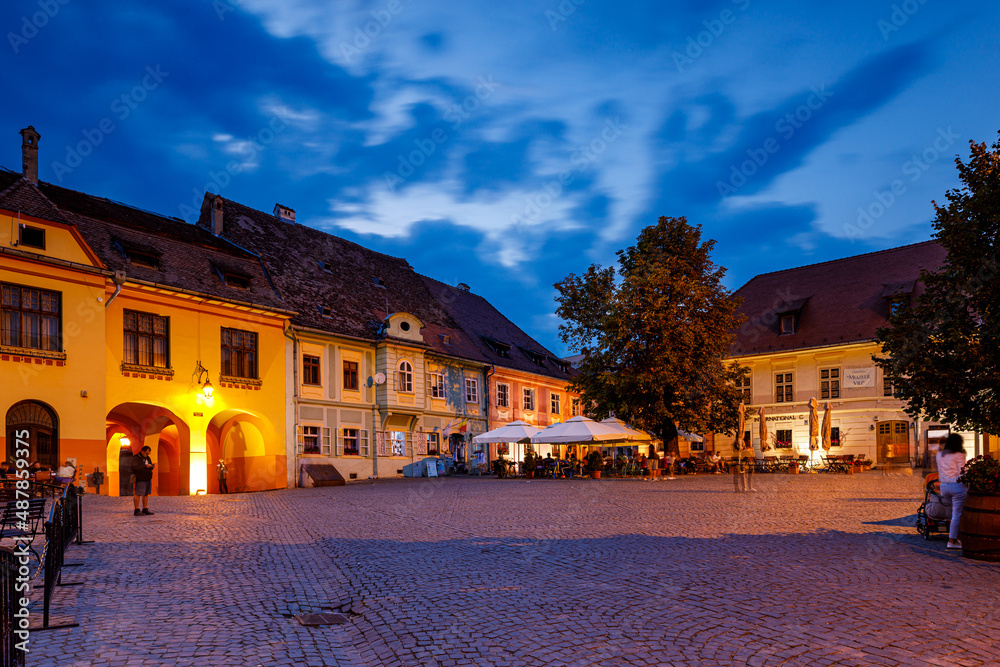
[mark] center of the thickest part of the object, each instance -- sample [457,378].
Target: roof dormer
[405,326]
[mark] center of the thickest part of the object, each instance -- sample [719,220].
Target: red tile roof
[836,302]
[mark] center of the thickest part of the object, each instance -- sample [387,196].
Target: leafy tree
[654,335]
[943,351]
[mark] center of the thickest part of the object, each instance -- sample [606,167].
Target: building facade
[810,333]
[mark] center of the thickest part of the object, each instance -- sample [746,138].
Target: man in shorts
[143,467]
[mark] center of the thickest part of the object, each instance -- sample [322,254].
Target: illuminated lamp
[124,441]
[207,389]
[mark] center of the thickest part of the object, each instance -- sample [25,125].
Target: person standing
[654,463]
[949,465]
[143,468]
[223,474]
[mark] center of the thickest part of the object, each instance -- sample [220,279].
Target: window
[896,304]
[433,444]
[529,399]
[239,353]
[788,324]
[405,382]
[829,383]
[887,388]
[145,340]
[351,375]
[31,318]
[353,442]
[143,258]
[437,385]
[698,446]
[503,395]
[397,443]
[33,237]
[236,280]
[310,369]
[502,349]
[471,390]
[554,407]
[743,386]
[835,436]
[314,440]
[574,407]
[783,388]
[783,439]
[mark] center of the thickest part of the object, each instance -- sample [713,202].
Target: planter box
[979,530]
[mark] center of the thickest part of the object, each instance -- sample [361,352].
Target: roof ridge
[113,201]
[839,259]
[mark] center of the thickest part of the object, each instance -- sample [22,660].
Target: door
[33,423]
[893,442]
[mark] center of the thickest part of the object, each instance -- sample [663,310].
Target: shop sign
[863,376]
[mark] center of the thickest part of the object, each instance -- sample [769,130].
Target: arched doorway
[147,424]
[34,424]
[253,453]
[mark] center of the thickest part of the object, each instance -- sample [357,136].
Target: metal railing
[62,527]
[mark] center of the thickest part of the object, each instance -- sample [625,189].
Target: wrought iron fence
[61,528]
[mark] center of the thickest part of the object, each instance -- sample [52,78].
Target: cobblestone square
[811,570]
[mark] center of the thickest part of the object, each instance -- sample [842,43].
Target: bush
[982,476]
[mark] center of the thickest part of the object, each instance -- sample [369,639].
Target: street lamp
[207,389]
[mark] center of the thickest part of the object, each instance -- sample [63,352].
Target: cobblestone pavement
[811,570]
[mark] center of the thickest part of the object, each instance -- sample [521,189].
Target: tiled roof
[187,257]
[494,335]
[314,271]
[19,195]
[836,302]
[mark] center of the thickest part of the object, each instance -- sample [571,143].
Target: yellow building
[810,333]
[128,329]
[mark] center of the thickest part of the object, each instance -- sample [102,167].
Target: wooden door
[893,442]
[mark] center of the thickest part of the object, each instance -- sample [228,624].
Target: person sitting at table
[6,468]
[35,468]
[66,474]
[717,465]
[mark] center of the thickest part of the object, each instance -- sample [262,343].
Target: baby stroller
[934,514]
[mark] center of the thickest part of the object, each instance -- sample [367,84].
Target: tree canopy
[654,333]
[942,353]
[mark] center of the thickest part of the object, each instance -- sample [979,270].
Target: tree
[942,353]
[654,336]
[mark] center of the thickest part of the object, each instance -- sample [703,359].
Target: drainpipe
[119,280]
[489,373]
[290,335]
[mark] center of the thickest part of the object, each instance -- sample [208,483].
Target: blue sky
[505,145]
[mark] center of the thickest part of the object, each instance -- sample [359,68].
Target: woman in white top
[949,465]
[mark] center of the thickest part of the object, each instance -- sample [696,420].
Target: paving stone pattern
[811,570]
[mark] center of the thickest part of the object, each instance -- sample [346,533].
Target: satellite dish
[380,378]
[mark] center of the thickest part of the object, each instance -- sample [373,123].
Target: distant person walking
[143,469]
[223,474]
[949,464]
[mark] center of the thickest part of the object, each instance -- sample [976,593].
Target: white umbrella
[578,429]
[630,433]
[516,431]
[512,432]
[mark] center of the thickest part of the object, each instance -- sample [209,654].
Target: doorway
[893,442]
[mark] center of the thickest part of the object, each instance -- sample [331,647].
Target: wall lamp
[207,389]
[124,441]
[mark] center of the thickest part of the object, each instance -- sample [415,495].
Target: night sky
[507,144]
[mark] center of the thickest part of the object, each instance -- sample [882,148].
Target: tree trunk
[668,435]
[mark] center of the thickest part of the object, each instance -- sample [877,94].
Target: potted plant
[979,530]
[595,464]
[529,465]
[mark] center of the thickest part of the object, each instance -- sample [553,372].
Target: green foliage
[982,476]
[654,334]
[595,461]
[943,351]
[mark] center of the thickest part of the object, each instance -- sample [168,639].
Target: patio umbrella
[738,444]
[764,446]
[632,434]
[813,427]
[516,431]
[578,429]
[827,418]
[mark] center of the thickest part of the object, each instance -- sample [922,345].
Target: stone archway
[36,426]
[253,452]
[164,432]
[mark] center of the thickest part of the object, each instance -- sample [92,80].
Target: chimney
[29,154]
[217,222]
[284,213]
